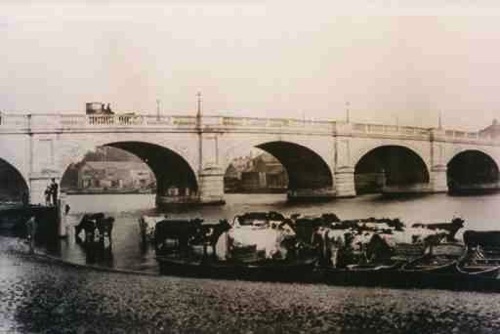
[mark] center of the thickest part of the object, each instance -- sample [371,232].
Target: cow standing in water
[88,224]
[147,226]
[175,234]
[98,235]
[105,227]
[208,235]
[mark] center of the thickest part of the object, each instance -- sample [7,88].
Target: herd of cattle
[335,242]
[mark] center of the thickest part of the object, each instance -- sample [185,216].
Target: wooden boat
[260,270]
[440,258]
[479,270]
[483,254]
[480,262]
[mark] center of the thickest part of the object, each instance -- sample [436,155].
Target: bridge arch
[390,166]
[13,186]
[74,147]
[309,175]
[176,180]
[472,170]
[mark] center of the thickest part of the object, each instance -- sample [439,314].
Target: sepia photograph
[249,166]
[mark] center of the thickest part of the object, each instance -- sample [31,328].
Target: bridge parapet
[77,122]
[464,137]
[276,124]
[13,122]
[360,129]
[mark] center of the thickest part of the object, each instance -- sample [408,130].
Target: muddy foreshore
[42,295]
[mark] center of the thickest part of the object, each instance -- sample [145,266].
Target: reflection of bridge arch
[175,179]
[308,173]
[392,166]
[13,186]
[472,170]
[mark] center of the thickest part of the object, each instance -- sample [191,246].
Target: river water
[128,252]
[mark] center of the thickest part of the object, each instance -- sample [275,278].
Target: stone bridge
[189,154]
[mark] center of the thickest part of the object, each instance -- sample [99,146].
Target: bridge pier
[439,183]
[211,189]
[344,182]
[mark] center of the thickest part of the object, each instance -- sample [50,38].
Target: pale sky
[392,63]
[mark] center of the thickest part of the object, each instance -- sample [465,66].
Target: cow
[306,227]
[286,240]
[180,231]
[147,226]
[450,229]
[105,227]
[484,239]
[208,234]
[88,223]
[330,218]
[328,242]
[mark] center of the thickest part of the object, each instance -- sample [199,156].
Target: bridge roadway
[189,155]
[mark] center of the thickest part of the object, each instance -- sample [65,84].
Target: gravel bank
[45,296]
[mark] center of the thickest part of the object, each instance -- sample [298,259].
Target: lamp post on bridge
[198,111]
[347,112]
[158,104]
[198,128]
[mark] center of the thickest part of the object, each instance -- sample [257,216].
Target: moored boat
[439,258]
[483,254]
[261,270]
[478,270]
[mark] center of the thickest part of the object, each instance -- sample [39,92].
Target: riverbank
[42,295]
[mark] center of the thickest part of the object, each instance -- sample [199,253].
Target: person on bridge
[108,110]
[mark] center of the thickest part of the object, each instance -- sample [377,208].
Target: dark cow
[179,230]
[88,223]
[485,239]
[208,235]
[105,227]
[306,227]
[330,217]
[249,218]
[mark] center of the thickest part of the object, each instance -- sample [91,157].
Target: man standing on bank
[54,188]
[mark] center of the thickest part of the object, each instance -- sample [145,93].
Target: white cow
[269,239]
[412,235]
[329,242]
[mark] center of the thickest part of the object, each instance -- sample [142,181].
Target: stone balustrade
[13,121]
[77,122]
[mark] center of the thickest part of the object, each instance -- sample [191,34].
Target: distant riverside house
[115,176]
[266,174]
[493,130]
[232,178]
